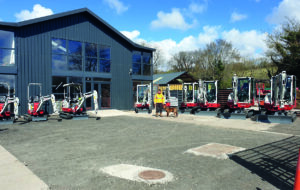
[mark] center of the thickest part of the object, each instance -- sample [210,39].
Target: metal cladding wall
[33,55]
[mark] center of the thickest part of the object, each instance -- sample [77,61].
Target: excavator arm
[87,95]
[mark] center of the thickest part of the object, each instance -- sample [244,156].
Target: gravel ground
[70,154]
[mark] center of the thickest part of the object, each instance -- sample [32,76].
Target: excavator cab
[278,104]
[143,98]
[190,94]
[207,99]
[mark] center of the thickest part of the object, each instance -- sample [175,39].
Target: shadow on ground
[274,162]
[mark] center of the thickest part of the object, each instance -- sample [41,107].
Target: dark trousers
[159,107]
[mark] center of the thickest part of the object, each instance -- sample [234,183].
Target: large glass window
[91,57]
[75,58]
[5,81]
[7,46]
[67,55]
[59,54]
[146,64]
[136,63]
[104,62]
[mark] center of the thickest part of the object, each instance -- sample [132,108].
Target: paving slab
[14,175]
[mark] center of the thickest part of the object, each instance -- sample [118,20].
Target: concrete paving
[14,175]
[70,154]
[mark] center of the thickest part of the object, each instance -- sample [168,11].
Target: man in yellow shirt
[159,100]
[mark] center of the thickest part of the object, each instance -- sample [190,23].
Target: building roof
[169,78]
[64,14]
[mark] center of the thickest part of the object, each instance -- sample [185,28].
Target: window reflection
[104,66]
[146,69]
[75,63]
[91,64]
[75,48]
[7,39]
[136,69]
[91,50]
[136,57]
[59,46]
[104,52]
[67,56]
[147,58]
[104,63]
[7,57]
[59,62]
[136,63]
[7,46]
[10,80]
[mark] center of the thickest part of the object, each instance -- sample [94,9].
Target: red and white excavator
[143,98]
[241,100]
[190,94]
[36,104]
[207,98]
[261,91]
[9,106]
[278,104]
[73,102]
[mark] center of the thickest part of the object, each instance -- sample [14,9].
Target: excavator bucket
[282,119]
[40,118]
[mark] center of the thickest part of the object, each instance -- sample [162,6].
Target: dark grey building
[75,46]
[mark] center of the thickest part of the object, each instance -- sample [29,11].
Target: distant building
[174,80]
[75,46]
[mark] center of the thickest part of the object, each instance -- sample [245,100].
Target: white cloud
[131,35]
[117,5]
[38,11]
[237,17]
[174,20]
[197,8]
[249,43]
[285,9]
[209,34]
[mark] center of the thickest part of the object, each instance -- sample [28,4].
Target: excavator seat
[2,99]
[36,99]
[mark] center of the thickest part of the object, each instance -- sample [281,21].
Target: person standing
[159,100]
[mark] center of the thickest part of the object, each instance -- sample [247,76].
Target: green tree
[182,61]
[215,57]
[285,48]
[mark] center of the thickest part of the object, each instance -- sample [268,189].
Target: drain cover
[152,175]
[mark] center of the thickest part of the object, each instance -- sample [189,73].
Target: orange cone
[297,177]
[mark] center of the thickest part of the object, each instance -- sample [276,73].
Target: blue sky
[175,25]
